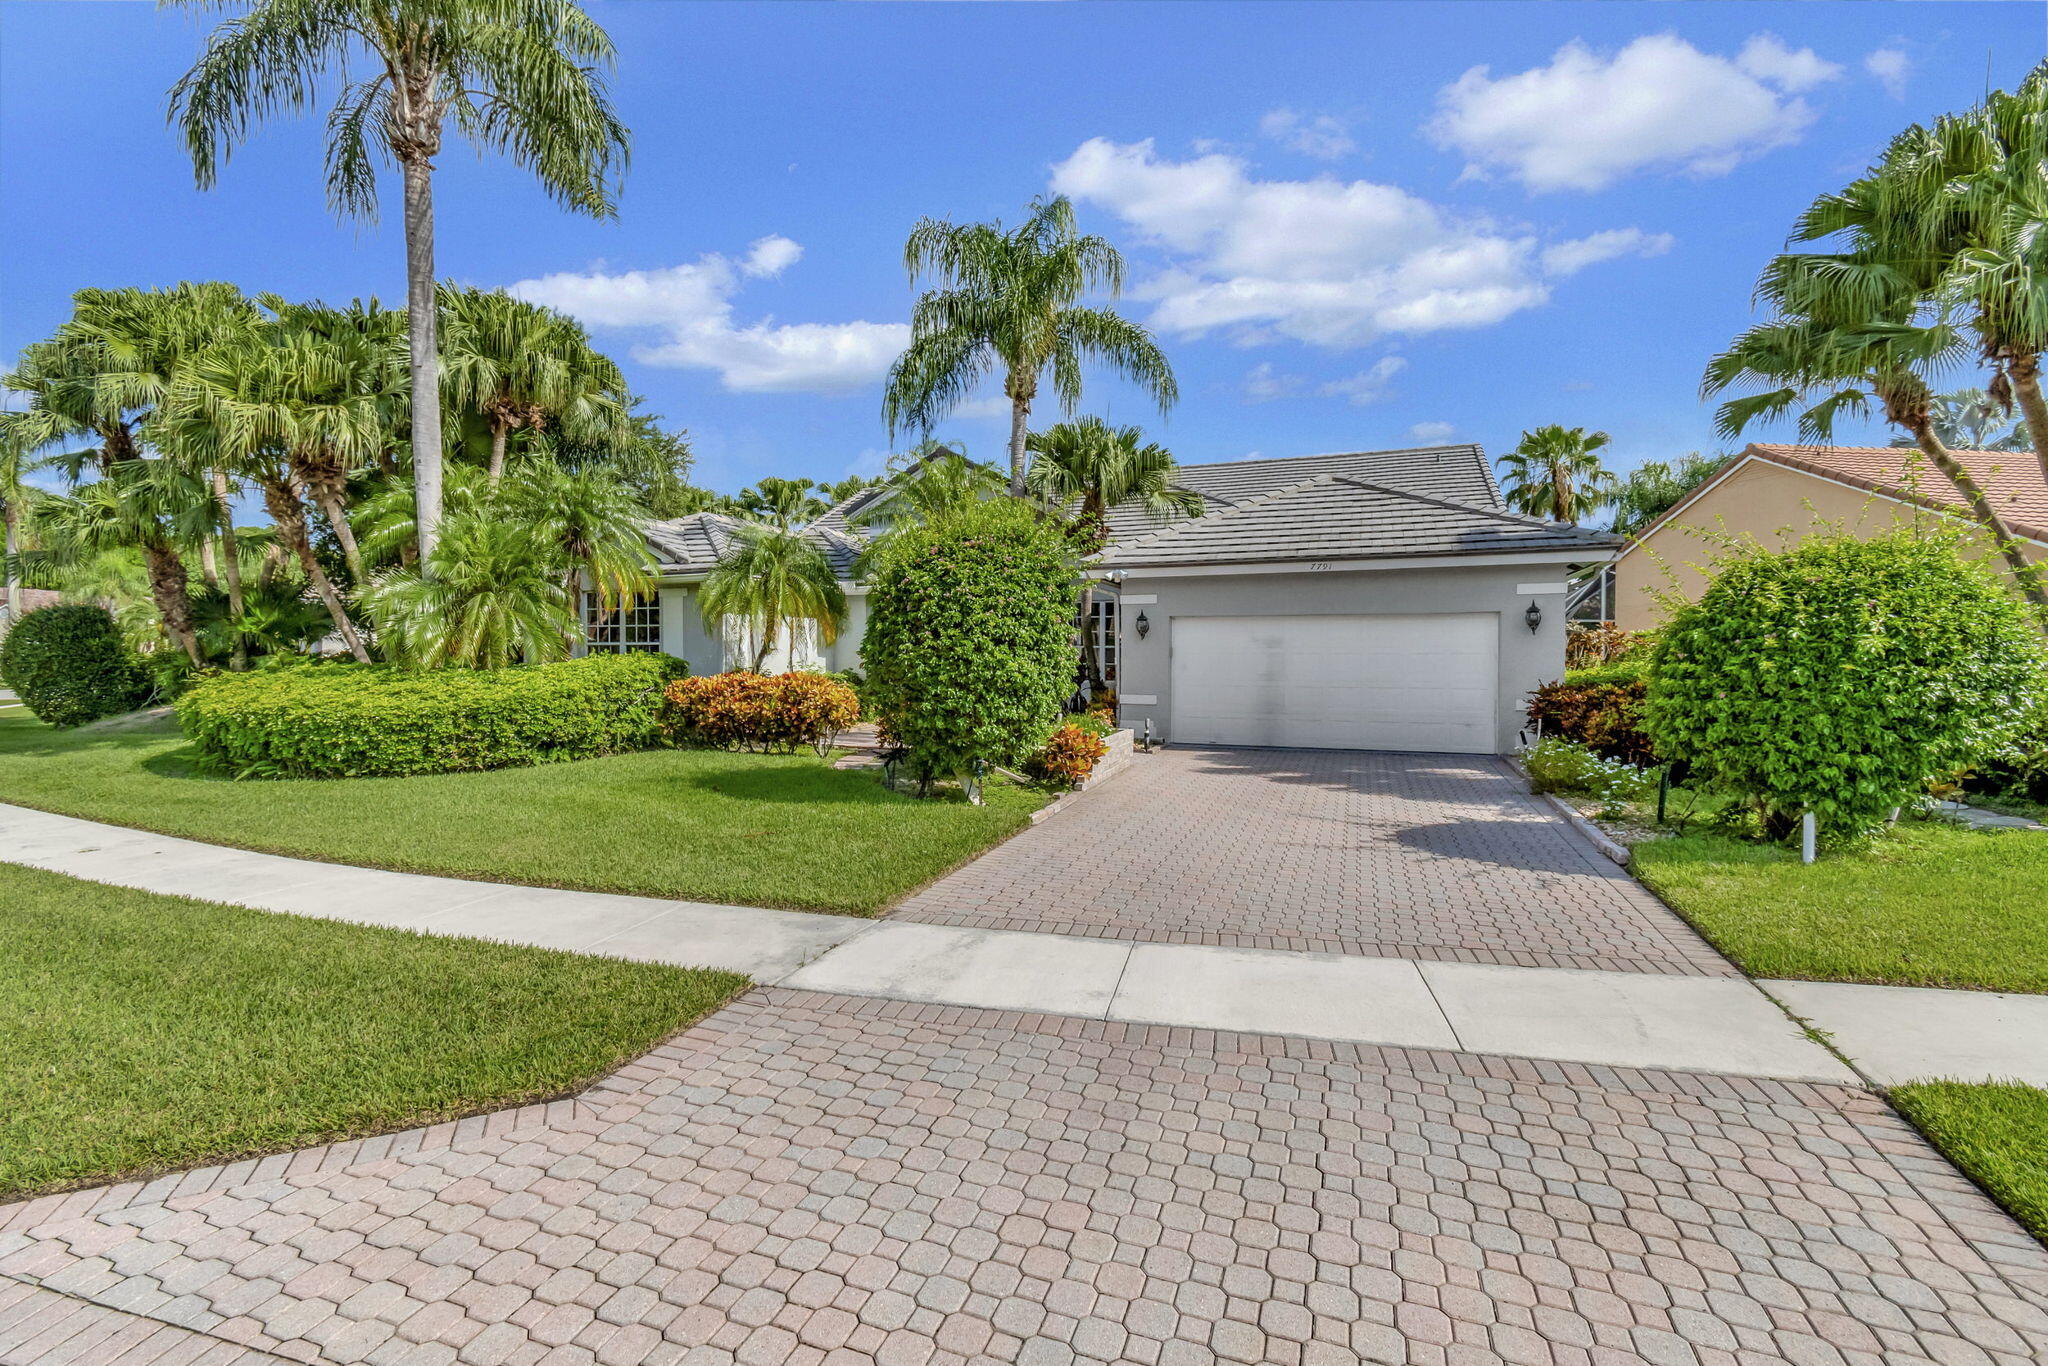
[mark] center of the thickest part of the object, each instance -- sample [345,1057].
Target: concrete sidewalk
[1624,1019]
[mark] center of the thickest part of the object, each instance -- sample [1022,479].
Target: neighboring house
[1781,494]
[31,599]
[1365,600]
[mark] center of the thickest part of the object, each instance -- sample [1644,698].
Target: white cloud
[1369,385]
[690,309]
[1327,261]
[1891,66]
[1586,120]
[1322,135]
[1263,383]
[1569,258]
[1431,431]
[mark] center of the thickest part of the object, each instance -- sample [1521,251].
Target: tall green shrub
[69,665]
[970,646]
[1839,676]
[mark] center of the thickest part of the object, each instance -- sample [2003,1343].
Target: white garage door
[1351,682]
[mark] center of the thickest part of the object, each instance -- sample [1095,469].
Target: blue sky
[1352,225]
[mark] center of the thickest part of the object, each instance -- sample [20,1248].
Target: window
[1105,637]
[619,629]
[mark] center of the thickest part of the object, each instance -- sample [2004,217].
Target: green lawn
[1998,1134]
[1927,905]
[150,1033]
[704,825]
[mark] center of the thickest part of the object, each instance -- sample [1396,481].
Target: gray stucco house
[1363,600]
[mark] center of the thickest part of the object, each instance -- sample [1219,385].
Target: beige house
[1780,494]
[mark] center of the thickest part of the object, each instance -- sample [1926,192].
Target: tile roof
[1336,517]
[2012,480]
[694,544]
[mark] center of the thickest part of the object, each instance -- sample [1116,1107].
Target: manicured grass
[1996,1133]
[1928,905]
[149,1033]
[763,830]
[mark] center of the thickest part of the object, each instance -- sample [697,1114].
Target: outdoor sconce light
[1144,624]
[1534,616]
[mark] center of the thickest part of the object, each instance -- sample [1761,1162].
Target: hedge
[354,721]
[69,665]
[742,710]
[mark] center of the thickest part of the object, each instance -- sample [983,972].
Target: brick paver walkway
[823,1181]
[1443,857]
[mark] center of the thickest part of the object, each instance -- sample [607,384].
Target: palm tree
[587,524]
[523,77]
[768,578]
[488,600]
[521,365]
[16,498]
[1007,303]
[1556,472]
[782,503]
[149,505]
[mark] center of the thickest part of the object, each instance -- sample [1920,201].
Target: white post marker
[1807,838]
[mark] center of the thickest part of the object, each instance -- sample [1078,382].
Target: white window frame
[624,629]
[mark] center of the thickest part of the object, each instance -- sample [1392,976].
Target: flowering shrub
[1601,708]
[1837,677]
[741,710]
[1068,755]
[1566,766]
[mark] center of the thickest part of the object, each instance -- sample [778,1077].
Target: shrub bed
[354,721]
[1601,708]
[741,710]
[69,665]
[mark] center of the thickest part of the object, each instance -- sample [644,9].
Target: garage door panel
[1337,682]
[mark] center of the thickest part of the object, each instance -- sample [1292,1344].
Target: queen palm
[1008,304]
[1555,472]
[771,578]
[519,365]
[522,77]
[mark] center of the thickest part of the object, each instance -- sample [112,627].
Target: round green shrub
[355,720]
[1838,677]
[969,648]
[69,665]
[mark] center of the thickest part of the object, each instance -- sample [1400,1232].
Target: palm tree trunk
[1020,412]
[570,594]
[209,566]
[2025,374]
[168,585]
[499,434]
[290,516]
[2025,574]
[337,517]
[15,597]
[231,565]
[767,642]
[424,331]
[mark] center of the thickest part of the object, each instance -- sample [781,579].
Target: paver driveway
[1433,856]
[825,1181]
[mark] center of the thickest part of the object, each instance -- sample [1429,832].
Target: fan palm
[488,600]
[522,77]
[1085,468]
[149,505]
[521,365]
[770,578]
[1008,303]
[1555,472]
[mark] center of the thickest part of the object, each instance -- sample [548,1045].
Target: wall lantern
[1144,624]
[1534,616]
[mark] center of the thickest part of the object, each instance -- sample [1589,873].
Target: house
[1780,494]
[1361,600]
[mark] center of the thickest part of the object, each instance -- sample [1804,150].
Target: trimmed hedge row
[355,721]
[69,665]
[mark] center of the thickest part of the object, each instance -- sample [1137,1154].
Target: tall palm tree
[772,578]
[1555,472]
[522,365]
[1008,303]
[1971,420]
[522,77]
[487,601]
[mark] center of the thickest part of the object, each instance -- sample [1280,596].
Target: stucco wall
[1526,660]
[684,634]
[1776,505]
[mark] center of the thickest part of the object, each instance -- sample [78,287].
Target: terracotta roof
[2011,479]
